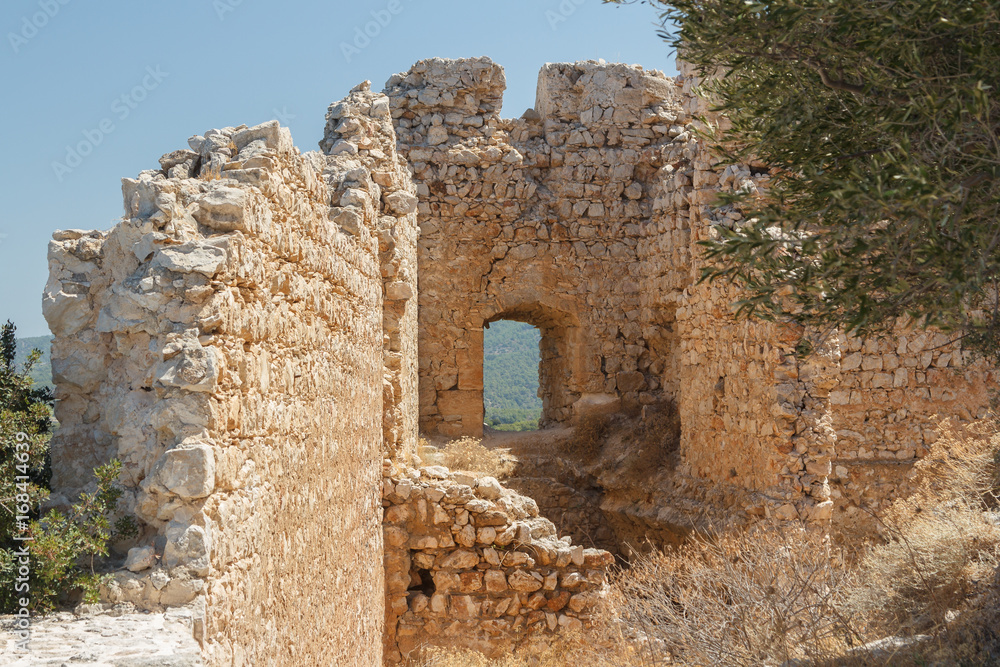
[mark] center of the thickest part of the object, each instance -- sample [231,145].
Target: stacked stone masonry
[470,563]
[247,341]
[582,217]
[242,342]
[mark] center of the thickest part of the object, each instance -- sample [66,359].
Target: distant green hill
[510,376]
[41,372]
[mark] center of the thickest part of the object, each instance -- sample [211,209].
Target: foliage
[40,371]
[510,376]
[61,547]
[61,541]
[879,122]
[23,409]
[514,419]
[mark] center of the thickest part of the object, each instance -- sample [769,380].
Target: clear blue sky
[131,80]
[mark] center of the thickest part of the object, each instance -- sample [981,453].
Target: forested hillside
[41,372]
[510,376]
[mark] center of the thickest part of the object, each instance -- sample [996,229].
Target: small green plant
[61,547]
[65,545]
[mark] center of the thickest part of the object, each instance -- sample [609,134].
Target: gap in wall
[510,376]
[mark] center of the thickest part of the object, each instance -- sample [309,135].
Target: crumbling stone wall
[244,342]
[538,220]
[839,429]
[583,218]
[470,563]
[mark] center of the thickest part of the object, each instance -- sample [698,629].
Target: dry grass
[589,436]
[745,599]
[469,454]
[779,595]
[591,650]
[940,546]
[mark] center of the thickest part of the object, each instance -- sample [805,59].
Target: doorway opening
[511,359]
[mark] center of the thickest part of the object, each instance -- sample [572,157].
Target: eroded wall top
[539,219]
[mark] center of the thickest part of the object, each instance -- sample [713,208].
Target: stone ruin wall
[538,219]
[472,564]
[582,217]
[244,341]
[839,432]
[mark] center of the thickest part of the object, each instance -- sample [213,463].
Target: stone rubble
[472,564]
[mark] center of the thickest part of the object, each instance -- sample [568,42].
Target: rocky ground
[100,637]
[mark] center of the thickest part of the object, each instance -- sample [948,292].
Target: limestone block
[81,368]
[181,591]
[489,488]
[522,582]
[398,291]
[222,208]
[457,403]
[187,471]
[274,136]
[192,257]
[196,369]
[65,313]
[140,558]
[401,203]
[459,560]
[188,547]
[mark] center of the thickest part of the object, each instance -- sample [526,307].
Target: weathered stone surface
[245,341]
[233,348]
[583,218]
[187,471]
[116,637]
[140,558]
[192,258]
[474,581]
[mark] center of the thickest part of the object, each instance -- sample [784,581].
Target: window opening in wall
[510,376]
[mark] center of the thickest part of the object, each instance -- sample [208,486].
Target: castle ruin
[266,331]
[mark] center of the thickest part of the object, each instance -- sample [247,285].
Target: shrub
[591,649]
[469,454]
[61,547]
[938,541]
[743,599]
[776,593]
